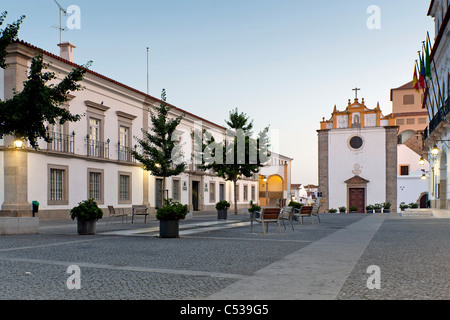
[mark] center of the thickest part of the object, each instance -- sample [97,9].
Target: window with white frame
[95,185]
[57,185]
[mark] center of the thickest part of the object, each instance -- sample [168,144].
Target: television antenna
[60,28]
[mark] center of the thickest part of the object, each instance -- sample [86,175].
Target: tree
[39,104]
[161,147]
[239,155]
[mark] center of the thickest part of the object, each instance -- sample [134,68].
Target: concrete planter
[169,228]
[222,214]
[86,228]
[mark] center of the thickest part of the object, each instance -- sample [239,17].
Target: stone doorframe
[356,183]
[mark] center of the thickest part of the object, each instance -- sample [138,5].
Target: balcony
[439,117]
[97,149]
[61,143]
[126,154]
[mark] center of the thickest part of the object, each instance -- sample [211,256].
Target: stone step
[417,213]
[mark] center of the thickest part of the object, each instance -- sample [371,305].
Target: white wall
[371,158]
[2,84]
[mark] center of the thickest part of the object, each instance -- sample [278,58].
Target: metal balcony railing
[97,149]
[61,143]
[438,118]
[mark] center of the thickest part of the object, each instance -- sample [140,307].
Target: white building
[91,158]
[357,158]
[437,101]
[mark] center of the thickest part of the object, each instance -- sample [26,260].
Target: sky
[285,63]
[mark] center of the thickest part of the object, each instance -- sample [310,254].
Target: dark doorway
[423,201]
[195,195]
[221,192]
[158,193]
[357,198]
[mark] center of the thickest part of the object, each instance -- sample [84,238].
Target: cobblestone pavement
[412,254]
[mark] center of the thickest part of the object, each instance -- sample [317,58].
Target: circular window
[356,143]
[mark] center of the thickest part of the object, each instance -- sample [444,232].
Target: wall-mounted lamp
[18,144]
[435,150]
[422,161]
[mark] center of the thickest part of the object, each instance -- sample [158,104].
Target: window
[422,120]
[237,193]
[411,121]
[253,193]
[245,193]
[356,143]
[176,190]
[124,136]
[404,170]
[95,185]
[408,99]
[124,187]
[57,185]
[212,192]
[400,122]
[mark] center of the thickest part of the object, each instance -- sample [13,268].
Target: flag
[422,72]
[415,82]
[428,62]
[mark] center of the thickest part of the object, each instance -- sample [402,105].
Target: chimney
[66,51]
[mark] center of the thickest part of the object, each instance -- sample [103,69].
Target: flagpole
[435,71]
[432,83]
[428,96]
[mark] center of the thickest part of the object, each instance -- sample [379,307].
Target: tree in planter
[161,150]
[39,104]
[239,155]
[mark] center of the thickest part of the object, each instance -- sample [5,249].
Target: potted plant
[169,216]
[222,209]
[342,209]
[403,206]
[332,211]
[369,208]
[413,205]
[387,207]
[353,209]
[87,214]
[378,207]
[254,211]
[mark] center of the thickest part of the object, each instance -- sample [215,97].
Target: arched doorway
[423,199]
[271,189]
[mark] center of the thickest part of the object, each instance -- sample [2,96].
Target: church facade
[357,158]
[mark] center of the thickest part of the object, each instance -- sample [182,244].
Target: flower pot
[169,228]
[86,228]
[222,214]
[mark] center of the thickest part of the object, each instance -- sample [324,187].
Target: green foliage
[254,208]
[222,205]
[413,205]
[370,207]
[26,115]
[403,206]
[332,211]
[161,148]
[295,205]
[342,209]
[172,211]
[87,210]
[7,36]
[353,208]
[239,155]
[377,206]
[387,205]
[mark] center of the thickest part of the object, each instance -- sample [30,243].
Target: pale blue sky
[286,63]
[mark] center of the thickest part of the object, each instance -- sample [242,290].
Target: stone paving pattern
[413,256]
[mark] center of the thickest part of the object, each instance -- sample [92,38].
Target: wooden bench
[286,214]
[307,211]
[268,215]
[113,214]
[139,211]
